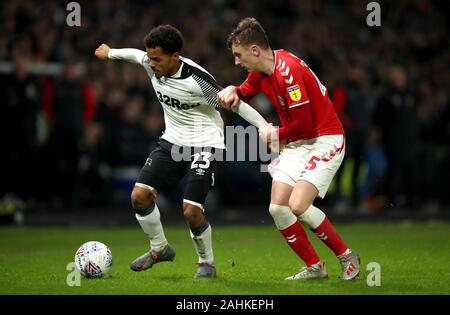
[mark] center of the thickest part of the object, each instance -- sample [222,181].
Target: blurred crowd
[77,136]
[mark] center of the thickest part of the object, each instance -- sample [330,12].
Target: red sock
[297,239]
[326,232]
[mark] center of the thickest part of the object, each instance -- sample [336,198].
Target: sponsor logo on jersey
[294,93]
[175,103]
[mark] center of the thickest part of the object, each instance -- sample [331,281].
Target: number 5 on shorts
[312,163]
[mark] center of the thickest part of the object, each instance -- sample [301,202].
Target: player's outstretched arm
[228,97]
[104,52]
[267,131]
[249,114]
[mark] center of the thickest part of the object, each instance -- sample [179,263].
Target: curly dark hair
[249,31]
[167,37]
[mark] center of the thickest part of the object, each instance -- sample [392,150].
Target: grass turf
[250,260]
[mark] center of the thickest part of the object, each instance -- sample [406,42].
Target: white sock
[151,225]
[203,247]
[313,217]
[282,216]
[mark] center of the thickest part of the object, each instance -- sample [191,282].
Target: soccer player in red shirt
[314,144]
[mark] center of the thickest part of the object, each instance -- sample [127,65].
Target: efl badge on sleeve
[294,92]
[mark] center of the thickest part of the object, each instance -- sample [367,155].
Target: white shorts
[314,160]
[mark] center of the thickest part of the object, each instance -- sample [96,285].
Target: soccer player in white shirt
[187,93]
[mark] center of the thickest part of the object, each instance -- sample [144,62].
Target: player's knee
[298,205]
[192,213]
[141,198]
[277,210]
[282,216]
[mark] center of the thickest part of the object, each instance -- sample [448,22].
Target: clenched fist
[102,52]
[228,97]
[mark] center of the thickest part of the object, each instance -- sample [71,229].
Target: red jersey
[301,101]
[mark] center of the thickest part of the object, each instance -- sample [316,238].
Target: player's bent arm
[250,114]
[127,54]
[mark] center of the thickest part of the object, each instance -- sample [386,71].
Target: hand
[102,52]
[228,97]
[269,133]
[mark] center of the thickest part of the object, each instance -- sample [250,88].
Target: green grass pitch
[250,260]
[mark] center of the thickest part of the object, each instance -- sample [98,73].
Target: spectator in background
[70,104]
[93,169]
[352,107]
[428,139]
[371,189]
[396,118]
[153,123]
[21,99]
[128,133]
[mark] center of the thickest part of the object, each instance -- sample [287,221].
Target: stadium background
[75,131]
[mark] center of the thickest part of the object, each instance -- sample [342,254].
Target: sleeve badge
[294,93]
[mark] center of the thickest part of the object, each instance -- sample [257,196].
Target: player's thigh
[287,167]
[302,196]
[200,177]
[160,171]
[323,161]
[284,171]
[280,193]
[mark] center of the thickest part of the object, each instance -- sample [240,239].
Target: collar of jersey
[177,74]
[183,72]
[274,61]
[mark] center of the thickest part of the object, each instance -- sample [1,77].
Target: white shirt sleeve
[250,114]
[128,54]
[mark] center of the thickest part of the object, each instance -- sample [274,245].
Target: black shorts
[167,164]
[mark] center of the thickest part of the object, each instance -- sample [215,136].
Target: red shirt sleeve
[300,122]
[300,118]
[250,87]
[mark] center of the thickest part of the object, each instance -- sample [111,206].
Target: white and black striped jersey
[188,99]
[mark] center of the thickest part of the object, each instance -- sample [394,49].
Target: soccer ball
[93,259]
